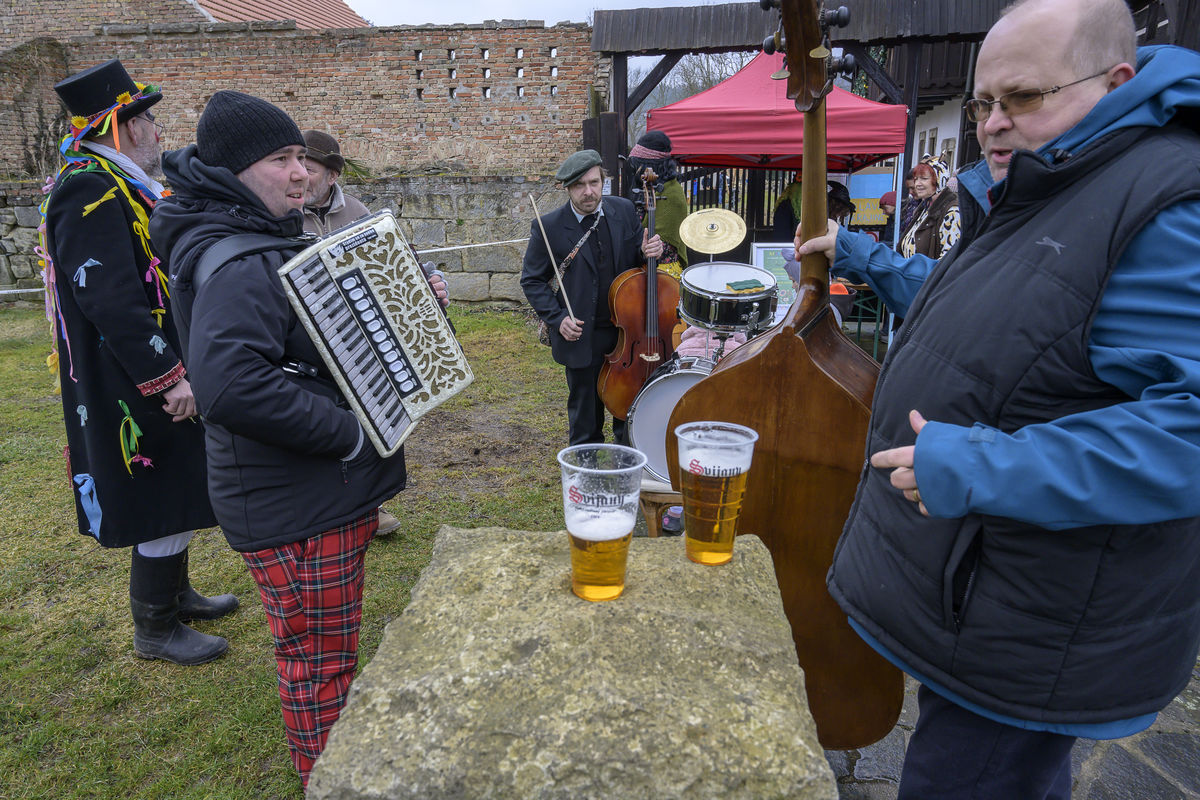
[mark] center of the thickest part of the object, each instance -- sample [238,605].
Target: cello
[806,389]
[644,309]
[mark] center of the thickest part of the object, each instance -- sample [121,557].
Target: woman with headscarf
[653,150]
[935,226]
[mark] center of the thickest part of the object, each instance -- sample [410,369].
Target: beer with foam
[599,552]
[601,484]
[714,464]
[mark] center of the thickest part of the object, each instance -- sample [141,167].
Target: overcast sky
[411,12]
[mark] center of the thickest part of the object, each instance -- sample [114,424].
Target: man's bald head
[1038,46]
[1103,31]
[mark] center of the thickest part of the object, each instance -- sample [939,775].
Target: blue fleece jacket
[1130,463]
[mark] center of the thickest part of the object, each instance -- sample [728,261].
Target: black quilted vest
[1084,625]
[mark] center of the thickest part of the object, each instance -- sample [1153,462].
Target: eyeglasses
[1019,102]
[158,126]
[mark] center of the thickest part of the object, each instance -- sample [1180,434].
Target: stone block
[471,287]
[507,287]
[22,266]
[427,233]
[8,217]
[24,240]
[27,216]
[498,682]
[497,258]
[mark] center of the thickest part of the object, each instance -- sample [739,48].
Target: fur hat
[324,149]
[237,129]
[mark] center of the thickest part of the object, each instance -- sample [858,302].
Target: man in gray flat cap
[593,238]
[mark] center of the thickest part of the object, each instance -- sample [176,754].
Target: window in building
[520,52]
[486,54]
[487,92]
[520,91]
[554,72]
[520,72]
[420,55]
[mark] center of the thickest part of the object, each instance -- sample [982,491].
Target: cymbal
[712,230]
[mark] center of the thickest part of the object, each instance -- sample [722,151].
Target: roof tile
[306,13]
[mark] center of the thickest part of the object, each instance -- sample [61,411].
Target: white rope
[419,252]
[469,246]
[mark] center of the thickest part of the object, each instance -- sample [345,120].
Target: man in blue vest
[1027,544]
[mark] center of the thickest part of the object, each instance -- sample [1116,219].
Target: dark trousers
[585,409]
[955,754]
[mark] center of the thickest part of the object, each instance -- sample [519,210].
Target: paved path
[1160,763]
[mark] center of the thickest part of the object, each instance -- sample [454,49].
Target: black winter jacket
[1085,625]
[279,444]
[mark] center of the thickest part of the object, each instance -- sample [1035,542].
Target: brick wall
[478,99]
[22,20]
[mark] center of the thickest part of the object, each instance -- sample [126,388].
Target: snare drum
[651,410]
[706,301]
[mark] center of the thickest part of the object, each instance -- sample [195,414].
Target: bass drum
[706,299]
[651,409]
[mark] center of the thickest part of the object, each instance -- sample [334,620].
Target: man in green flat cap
[592,238]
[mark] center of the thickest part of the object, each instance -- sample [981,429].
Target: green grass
[81,717]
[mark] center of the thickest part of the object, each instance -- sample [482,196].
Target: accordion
[370,311]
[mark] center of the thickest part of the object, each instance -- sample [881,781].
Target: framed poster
[769,256]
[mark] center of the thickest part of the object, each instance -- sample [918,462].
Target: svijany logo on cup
[598,500]
[696,468]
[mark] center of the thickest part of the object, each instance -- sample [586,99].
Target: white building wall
[937,131]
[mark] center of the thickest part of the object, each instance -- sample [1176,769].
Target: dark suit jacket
[581,280]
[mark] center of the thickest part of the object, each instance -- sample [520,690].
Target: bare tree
[692,75]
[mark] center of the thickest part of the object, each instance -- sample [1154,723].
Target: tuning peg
[767,5]
[782,72]
[820,51]
[834,18]
[844,65]
[770,44]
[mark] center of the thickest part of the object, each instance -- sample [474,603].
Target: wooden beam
[912,94]
[875,71]
[621,107]
[651,81]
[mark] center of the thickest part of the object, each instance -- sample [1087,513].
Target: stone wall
[435,212]
[19,220]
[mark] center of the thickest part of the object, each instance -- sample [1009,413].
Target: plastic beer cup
[601,484]
[714,462]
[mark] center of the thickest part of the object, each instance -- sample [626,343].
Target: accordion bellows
[368,307]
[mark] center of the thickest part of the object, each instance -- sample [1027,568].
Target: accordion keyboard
[352,326]
[370,312]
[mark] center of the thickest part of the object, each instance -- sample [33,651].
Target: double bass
[806,389]
[644,305]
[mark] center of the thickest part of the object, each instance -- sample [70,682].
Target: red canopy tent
[747,120]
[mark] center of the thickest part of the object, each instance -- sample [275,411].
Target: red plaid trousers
[312,592]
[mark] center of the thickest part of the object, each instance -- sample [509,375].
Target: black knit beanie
[236,130]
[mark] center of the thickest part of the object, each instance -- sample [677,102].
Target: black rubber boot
[193,605]
[154,601]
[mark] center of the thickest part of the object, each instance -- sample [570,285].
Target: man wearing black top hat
[135,450]
[593,239]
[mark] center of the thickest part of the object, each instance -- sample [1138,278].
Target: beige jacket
[341,211]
